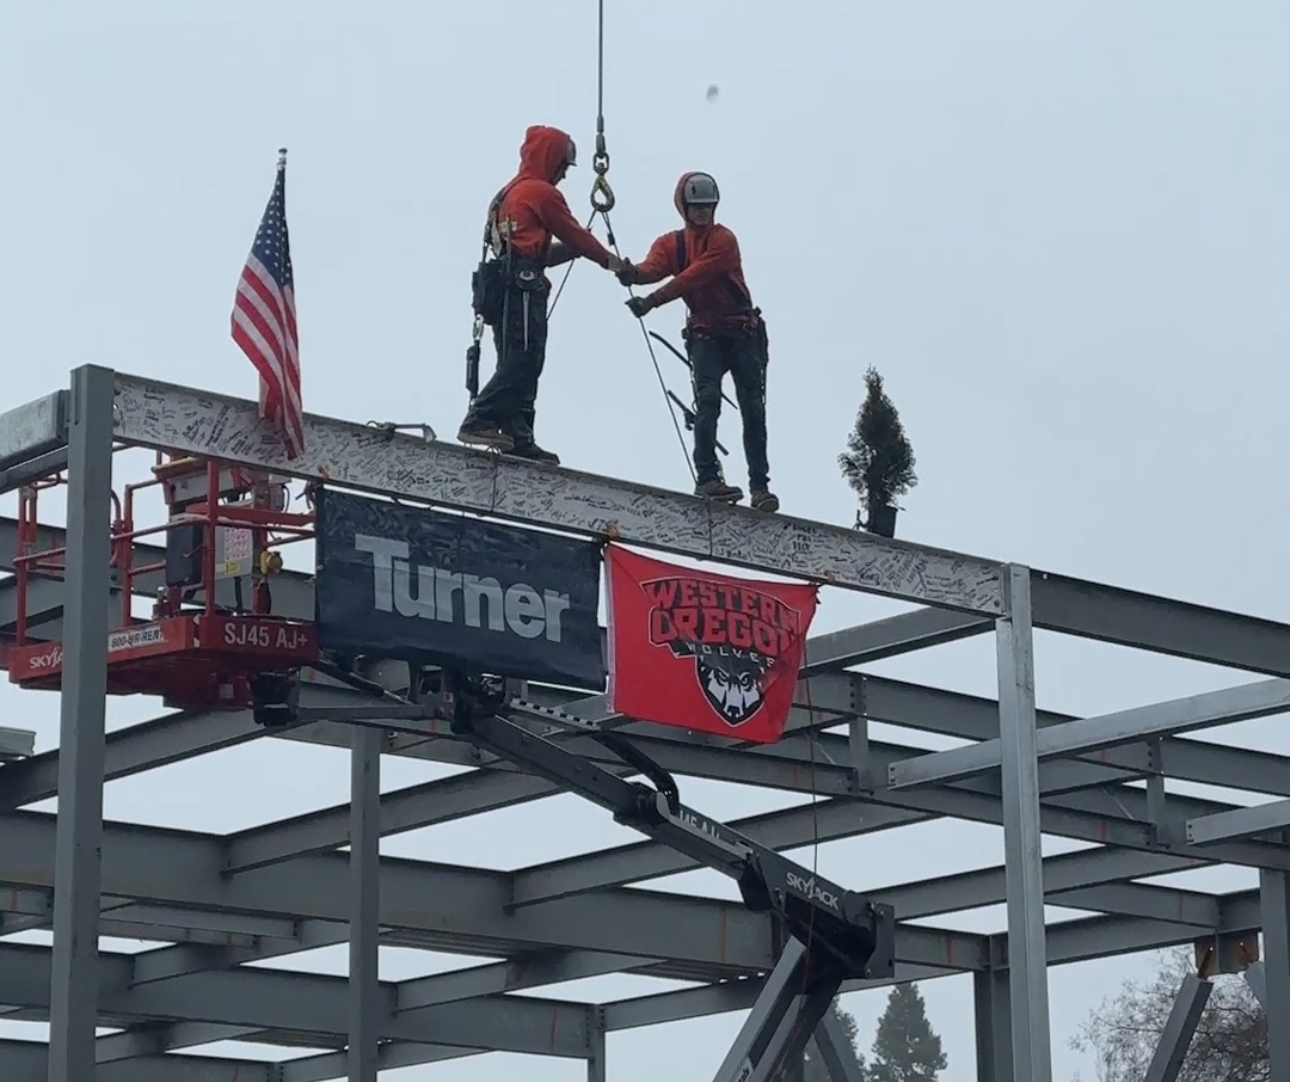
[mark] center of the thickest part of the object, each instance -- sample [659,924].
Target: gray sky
[1060,231]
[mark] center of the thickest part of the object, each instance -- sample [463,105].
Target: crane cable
[602,202]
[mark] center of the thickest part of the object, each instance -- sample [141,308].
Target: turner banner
[407,582]
[704,651]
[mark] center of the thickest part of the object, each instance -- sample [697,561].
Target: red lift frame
[193,653]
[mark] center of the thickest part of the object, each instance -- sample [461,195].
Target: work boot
[719,490]
[484,434]
[534,453]
[764,500]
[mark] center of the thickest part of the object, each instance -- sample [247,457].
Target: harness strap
[740,296]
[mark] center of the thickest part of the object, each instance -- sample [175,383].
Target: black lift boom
[832,935]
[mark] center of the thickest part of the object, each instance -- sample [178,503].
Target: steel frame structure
[213,903]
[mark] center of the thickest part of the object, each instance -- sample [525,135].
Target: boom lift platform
[211,632]
[831,935]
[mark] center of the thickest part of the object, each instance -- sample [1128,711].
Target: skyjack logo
[811,889]
[51,659]
[485,602]
[117,641]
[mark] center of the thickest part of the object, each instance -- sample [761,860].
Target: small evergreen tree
[878,463]
[906,1049]
[814,1068]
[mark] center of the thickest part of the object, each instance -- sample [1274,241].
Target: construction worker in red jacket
[724,332]
[511,290]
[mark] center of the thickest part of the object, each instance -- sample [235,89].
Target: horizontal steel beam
[152,414]
[1163,625]
[901,634]
[28,1061]
[1240,823]
[32,430]
[168,739]
[16,744]
[308,1003]
[454,908]
[1109,730]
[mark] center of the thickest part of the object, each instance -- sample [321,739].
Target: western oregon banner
[704,651]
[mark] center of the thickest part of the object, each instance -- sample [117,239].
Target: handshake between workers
[530,229]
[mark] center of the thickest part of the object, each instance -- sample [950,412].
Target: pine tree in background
[906,1049]
[814,1068]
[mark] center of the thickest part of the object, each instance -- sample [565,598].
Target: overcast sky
[1060,232]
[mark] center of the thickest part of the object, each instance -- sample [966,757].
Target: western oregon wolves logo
[734,633]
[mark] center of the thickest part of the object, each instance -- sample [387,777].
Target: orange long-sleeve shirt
[532,210]
[712,281]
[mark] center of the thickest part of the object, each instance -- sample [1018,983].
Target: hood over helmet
[544,151]
[696,189]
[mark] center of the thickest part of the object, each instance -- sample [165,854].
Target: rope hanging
[603,201]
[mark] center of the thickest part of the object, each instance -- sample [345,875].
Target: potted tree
[879,462]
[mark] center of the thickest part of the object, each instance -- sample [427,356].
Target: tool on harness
[685,361]
[500,273]
[688,416]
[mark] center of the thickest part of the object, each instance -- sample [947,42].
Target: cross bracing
[211,904]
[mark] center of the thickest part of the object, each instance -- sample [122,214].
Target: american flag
[264,319]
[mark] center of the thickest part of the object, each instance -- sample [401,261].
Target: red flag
[704,651]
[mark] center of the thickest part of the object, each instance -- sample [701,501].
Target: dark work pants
[744,356]
[509,399]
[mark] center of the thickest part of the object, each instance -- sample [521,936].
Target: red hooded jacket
[534,207]
[712,283]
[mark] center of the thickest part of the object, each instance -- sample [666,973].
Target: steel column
[596,1053]
[1024,860]
[365,903]
[1179,1030]
[83,710]
[990,990]
[1274,900]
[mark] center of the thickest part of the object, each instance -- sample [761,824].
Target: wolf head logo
[731,680]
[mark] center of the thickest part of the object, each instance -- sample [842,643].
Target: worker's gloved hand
[627,273]
[639,306]
[614,265]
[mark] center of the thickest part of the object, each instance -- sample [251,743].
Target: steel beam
[168,739]
[16,744]
[901,634]
[971,717]
[1163,625]
[1179,1029]
[33,430]
[28,1061]
[311,1004]
[1031,1036]
[1239,823]
[74,976]
[1126,726]
[167,417]
[454,908]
